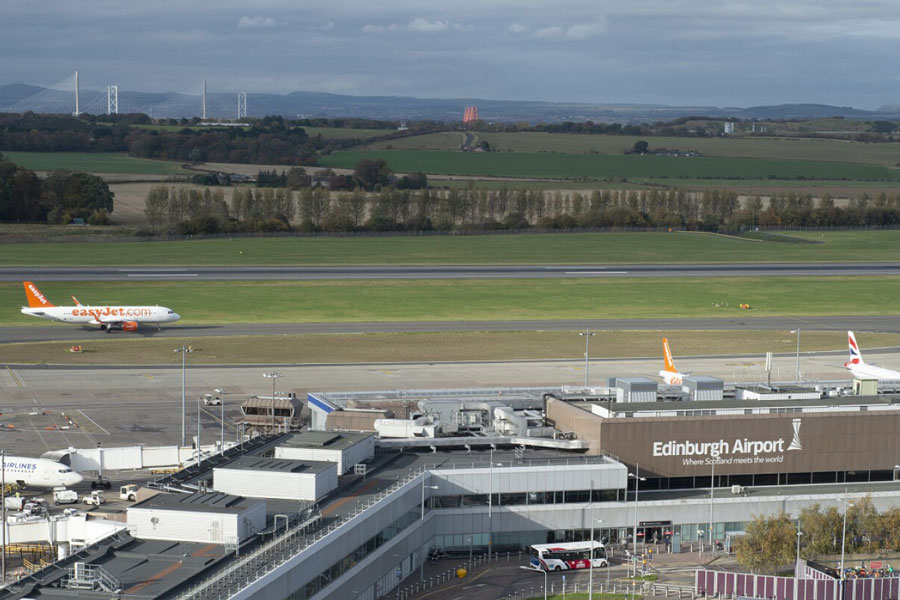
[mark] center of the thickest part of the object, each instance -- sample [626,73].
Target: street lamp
[587,348]
[469,565]
[797,331]
[591,574]
[273,376]
[843,537]
[185,350]
[221,393]
[637,484]
[422,527]
[491,505]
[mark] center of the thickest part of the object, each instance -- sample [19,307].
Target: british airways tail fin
[855,355]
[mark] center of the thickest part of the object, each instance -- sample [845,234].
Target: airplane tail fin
[75,300]
[669,364]
[35,298]
[855,355]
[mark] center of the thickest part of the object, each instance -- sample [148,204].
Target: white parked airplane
[38,472]
[861,369]
[107,317]
[669,373]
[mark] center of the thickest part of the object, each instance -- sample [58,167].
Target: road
[62,332]
[295,273]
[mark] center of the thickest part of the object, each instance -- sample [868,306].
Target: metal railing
[272,555]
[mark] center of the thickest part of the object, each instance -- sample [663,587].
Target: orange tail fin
[667,357]
[35,298]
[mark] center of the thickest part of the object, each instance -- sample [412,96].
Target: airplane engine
[129,325]
[104,327]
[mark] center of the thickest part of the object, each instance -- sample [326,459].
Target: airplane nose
[75,478]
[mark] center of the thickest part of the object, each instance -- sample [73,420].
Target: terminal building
[495,471]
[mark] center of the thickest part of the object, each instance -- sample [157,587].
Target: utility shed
[702,387]
[259,477]
[345,449]
[634,389]
[208,517]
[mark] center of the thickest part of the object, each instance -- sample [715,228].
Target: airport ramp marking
[13,375]
[100,427]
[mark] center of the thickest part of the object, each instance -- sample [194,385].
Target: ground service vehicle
[64,496]
[14,502]
[210,400]
[95,498]
[568,555]
[36,507]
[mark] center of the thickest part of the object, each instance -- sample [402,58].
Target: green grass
[749,147]
[92,162]
[342,133]
[201,302]
[582,248]
[605,166]
[126,348]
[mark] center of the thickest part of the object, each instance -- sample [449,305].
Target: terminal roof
[215,502]
[280,465]
[329,440]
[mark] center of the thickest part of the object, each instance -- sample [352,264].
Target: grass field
[418,347]
[204,302]
[582,248]
[91,162]
[604,166]
[755,147]
[341,133]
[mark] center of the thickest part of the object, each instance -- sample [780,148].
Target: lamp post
[491,505]
[185,350]
[587,348]
[199,455]
[273,376]
[637,484]
[221,393]
[422,526]
[712,495]
[797,331]
[843,537]
[545,583]
[591,574]
[797,562]
[469,564]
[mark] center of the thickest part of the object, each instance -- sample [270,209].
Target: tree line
[392,208]
[60,197]
[771,542]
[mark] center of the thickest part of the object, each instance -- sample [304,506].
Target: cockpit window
[171,312]
[65,470]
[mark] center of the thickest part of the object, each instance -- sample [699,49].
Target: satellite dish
[155,521]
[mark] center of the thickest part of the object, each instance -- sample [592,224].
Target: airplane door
[46,472]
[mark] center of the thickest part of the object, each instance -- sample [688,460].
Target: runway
[62,332]
[297,273]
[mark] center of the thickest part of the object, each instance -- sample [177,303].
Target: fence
[747,585]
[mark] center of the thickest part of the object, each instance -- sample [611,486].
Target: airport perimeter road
[445,272]
[63,332]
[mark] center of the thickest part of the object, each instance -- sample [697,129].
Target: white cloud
[379,28]
[425,26]
[519,28]
[572,32]
[256,22]
[329,26]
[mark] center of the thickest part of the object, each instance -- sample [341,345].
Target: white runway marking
[162,275]
[94,422]
[596,272]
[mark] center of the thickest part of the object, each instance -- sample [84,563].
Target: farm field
[342,133]
[204,302]
[418,347]
[601,167]
[580,248]
[92,162]
[748,147]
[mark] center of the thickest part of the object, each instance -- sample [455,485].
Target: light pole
[797,331]
[273,376]
[422,526]
[185,350]
[221,393]
[199,456]
[591,574]
[797,563]
[637,484]
[491,505]
[545,583]
[469,564]
[843,537]
[587,348]
[712,495]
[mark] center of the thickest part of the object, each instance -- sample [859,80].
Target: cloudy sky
[676,52]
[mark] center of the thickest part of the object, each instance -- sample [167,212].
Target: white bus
[568,555]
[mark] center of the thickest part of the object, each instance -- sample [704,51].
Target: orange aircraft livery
[108,318]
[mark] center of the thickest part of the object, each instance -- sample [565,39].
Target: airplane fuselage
[98,315]
[38,472]
[867,371]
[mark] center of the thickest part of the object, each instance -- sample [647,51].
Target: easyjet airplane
[669,373]
[107,317]
[859,368]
